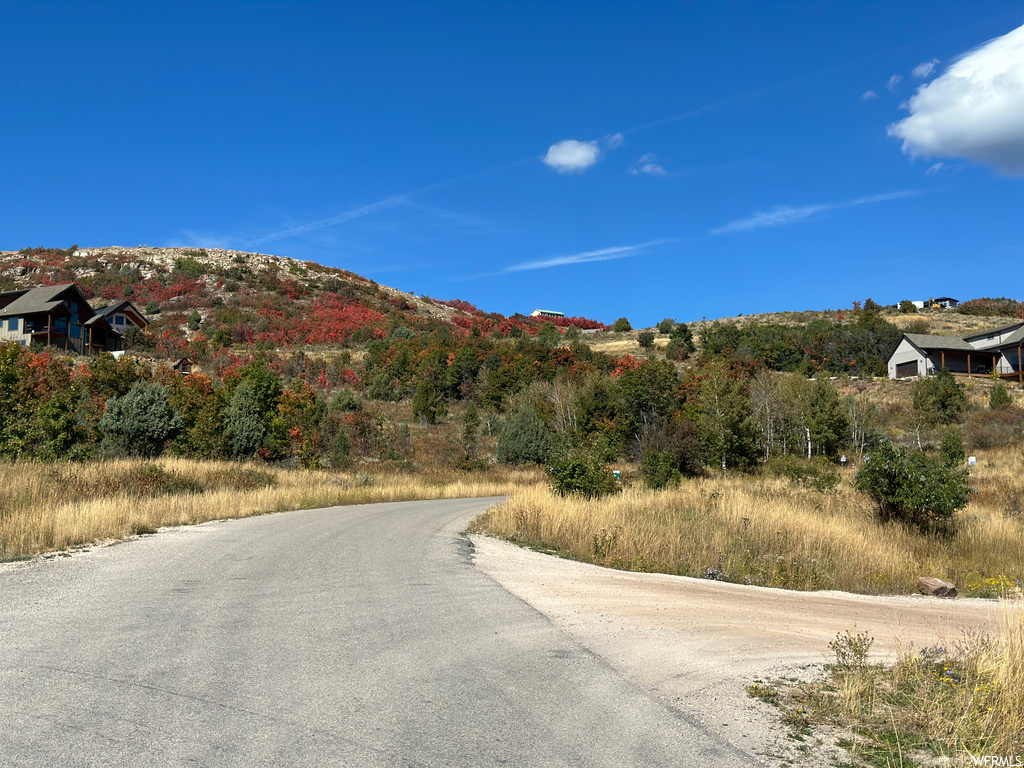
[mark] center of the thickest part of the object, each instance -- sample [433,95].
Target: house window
[118,319]
[12,324]
[76,331]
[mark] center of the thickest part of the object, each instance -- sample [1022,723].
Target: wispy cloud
[868,95]
[925,68]
[894,81]
[330,221]
[603,254]
[786,214]
[647,164]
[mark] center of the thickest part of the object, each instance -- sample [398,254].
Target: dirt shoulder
[695,644]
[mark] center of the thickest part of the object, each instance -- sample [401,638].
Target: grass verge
[46,507]
[962,705]
[770,531]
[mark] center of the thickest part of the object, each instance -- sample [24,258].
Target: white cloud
[868,95]
[934,169]
[786,214]
[894,81]
[925,68]
[571,156]
[615,141]
[974,110]
[647,164]
[604,254]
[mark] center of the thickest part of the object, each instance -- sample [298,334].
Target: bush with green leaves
[524,439]
[999,397]
[940,398]
[665,326]
[659,469]
[680,343]
[645,339]
[912,489]
[548,335]
[952,449]
[907,307]
[142,421]
[621,325]
[579,470]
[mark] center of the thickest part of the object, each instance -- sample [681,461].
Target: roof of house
[121,306]
[42,299]
[969,343]
[927,341]
[1015,336]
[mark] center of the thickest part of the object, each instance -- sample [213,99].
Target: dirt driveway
[696,643]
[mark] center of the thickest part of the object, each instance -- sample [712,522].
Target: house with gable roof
[59,316]
[997,352]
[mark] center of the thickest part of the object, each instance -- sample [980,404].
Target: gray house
[56,316]
[998,351]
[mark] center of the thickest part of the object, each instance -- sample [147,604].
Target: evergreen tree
[142,421]
[523,439]
[826,418]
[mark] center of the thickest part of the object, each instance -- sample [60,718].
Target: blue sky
[647,160]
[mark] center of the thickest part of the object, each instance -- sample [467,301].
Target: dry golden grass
[961,702]
[51,507]
[766,531]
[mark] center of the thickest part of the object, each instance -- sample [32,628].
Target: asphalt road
[351,636]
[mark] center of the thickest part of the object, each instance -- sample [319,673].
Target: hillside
[228,298]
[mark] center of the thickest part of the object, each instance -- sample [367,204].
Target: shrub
[952,450]
[665,326]
[340,449]
[999,398]
[523,439]
[907,307]
[580,470]
[548,335]
[141,422]
[659,469]
[621,325]
[645,339]
[680,344]
[940,397]
[571,333]
[914,490]
[428,403]
[344,400]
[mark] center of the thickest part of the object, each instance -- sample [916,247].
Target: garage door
[906,369]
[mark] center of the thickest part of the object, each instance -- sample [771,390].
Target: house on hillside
[122,315]
[997,351]
[546,313]
[57,316]
[942,302]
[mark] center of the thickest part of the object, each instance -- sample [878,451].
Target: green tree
[195,320]
[245,421]
[523,439]
[470,430]
[428,402]
[142,421]
[647,396]
[645,339]
[725,420]
[680,343]
[571,333]
[912,489]
[826,418]
[952,449]
[666,326]
[907,307]
[548,335]
[621,325]
[579,470]
[939,398]
[999,397]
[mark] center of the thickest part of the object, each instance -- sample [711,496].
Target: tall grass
[770,532]
[965,700]
[46,507]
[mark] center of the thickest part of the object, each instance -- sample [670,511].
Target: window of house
[12,324]
[118,319]
[76,331]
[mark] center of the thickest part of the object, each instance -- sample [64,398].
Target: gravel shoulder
[695,644]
